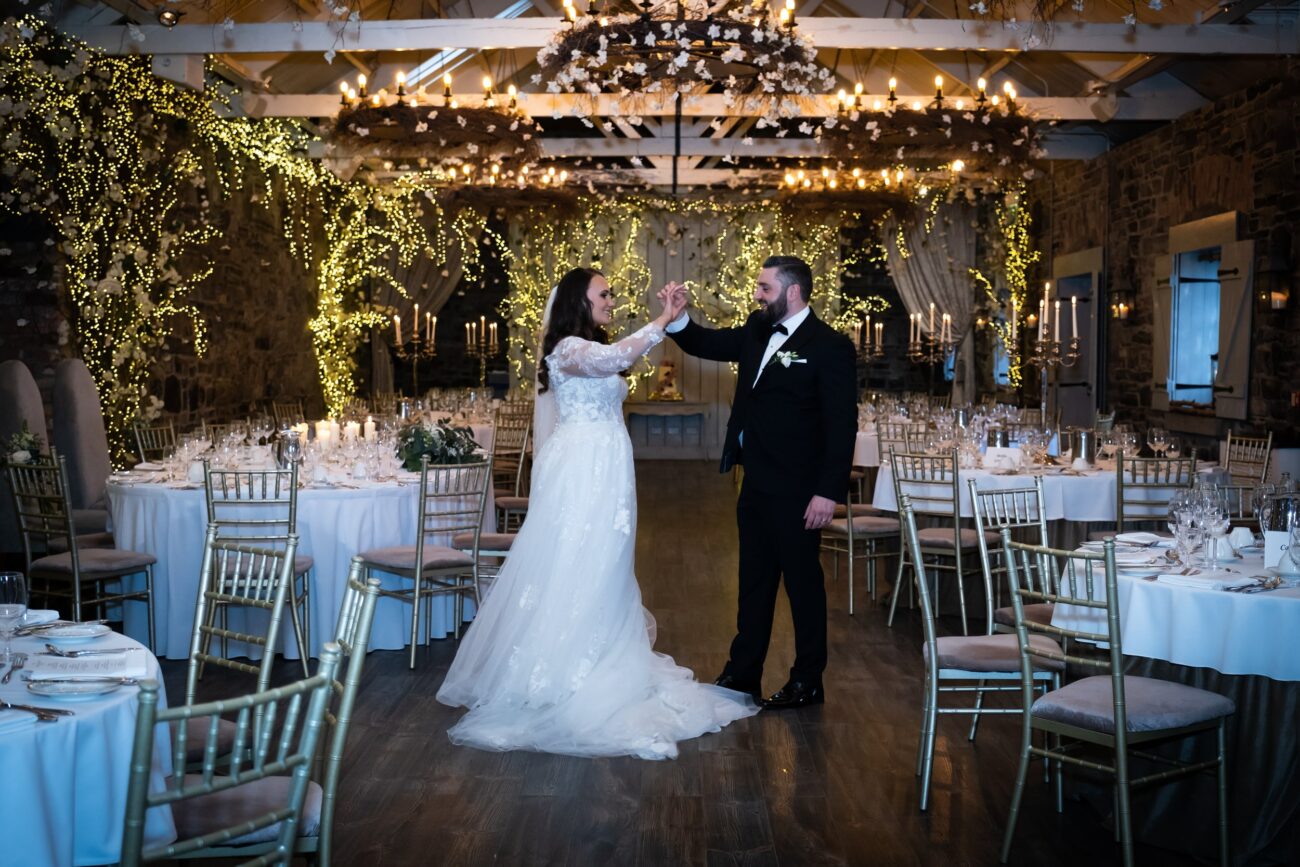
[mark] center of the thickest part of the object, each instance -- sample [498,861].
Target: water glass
[1189,537]
[1157,439]
[13,605]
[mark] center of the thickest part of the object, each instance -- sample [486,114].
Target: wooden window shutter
[1236,285]
[1162,306]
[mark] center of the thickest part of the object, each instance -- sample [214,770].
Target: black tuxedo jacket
[799,421]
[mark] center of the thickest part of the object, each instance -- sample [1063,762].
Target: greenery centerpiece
[23,446]
[443,443]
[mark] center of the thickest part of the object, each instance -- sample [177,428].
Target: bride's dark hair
[570,317]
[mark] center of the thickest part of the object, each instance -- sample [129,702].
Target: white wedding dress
[559,659]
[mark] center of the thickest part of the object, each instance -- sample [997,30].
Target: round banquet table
[1068,496]
[63,795]
[169,520]
[1243,646]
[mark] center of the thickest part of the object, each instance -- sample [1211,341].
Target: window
[1194,332]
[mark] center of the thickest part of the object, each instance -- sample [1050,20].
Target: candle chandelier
[751,51]
[406,122]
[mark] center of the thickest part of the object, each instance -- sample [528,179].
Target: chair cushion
[941,537]
[512,504]
[856,474]
[991,652]
[1151,704]
[403,557]
[96,560]
[486,541]
[196,738]
[858,509]
[84,541]
[866,525]
[207,813]
[1038,612]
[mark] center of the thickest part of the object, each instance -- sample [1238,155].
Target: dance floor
[831,785]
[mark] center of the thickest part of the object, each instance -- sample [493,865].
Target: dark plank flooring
[832,785]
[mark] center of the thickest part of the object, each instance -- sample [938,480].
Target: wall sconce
[1274,275]
[1121,304]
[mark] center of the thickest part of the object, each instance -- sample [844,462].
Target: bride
[560,657]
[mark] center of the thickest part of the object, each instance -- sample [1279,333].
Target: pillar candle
[352,430]
[397,328]
[334,431]
[1074,316]
[1056,322]
[371,432]
[322,429]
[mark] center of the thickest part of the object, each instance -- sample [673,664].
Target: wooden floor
[830,785]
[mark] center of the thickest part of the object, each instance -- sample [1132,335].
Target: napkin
[1208,580]
[1080,464]
[1242,537]
[37,616]
[1150,539]
[132,663]
[149,466]
[12,720]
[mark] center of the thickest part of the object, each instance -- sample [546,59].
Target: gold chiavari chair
[287,412]
[1239,501]
[1019,510]
[385,403]
[1103,422]
[509,460]
[856,537]
[900,436]
[260,507]
[246,801]
[452,501]
[84,576]
[217,432]
[1246,458]
[1112,710]
[966,663]
[933,483]
[156,442]
[238,574]
[1143,488]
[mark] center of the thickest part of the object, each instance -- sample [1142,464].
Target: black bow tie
[779,329]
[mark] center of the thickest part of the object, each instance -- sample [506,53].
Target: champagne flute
[13,605]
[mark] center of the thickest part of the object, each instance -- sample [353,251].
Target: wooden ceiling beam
[825,33]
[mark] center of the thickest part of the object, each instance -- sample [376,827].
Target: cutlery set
[17,661]
[43,714]
[53,624]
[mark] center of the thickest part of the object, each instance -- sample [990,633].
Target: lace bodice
[584,375]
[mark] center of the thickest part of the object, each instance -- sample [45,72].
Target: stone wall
[1238,154]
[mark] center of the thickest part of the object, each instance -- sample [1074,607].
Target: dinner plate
[72,688]
[74,633]
[1140,571]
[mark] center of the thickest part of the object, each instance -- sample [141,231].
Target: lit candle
[866,333]
[428,326]
[1042,317]
[322,429]
[1013,320]
[468,337]
[482,328]
[932,319]
[334,430]
[397,328]
[352,430]
[494,332]
[1074,316]
[880,335]
[370,431]
[946,331]
[1056,322]
[433,332]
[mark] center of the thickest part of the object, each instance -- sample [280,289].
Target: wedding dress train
[559,659]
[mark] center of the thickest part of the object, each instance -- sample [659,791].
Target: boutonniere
[788,358]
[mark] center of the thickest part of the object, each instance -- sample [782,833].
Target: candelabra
[1050,353]
[929,349]
[415,350]
[870,352]
[483,347]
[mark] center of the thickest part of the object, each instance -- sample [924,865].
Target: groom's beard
[774,313]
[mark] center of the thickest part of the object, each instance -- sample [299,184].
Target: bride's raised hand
[668,297]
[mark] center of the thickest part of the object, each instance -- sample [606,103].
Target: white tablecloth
[1086,497]
[334,525]
[866,451]
[63,784]
[1232,633]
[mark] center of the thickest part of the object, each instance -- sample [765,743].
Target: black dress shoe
[796,693]
[754,688]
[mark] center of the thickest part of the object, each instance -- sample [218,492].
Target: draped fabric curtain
[428,283]
[932,265]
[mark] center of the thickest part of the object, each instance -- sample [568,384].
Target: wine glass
[1189,536]
[1157,439]
[13,605]
[1261,504]
[1173,448]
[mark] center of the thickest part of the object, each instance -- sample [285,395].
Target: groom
[792,426]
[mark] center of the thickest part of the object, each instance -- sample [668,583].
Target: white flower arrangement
[785,359]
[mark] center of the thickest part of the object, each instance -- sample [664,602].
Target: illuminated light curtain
[930,258]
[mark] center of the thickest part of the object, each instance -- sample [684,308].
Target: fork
[55,650]
[17,660]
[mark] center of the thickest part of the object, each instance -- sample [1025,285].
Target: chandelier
[490,139]
[750,51]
